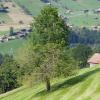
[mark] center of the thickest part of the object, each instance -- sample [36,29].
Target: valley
[49,49]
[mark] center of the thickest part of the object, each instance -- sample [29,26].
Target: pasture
[76,18]
[31,6]
[84,86]
[21,11]
[21,14]
[4,33]
[78,5]
[11,47]
[14,17]
[5,19]
[81,19]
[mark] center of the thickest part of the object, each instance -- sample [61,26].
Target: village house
[17,35]
[94,60]
[97,10]
[11,38]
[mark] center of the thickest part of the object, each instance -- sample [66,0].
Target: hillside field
[13,17]
[4,33]
[33,6]
[76,18]
[11,46]
[4,17]
[84,86]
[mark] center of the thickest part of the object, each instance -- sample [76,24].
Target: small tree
[2,6]
[11,31]
[47,53]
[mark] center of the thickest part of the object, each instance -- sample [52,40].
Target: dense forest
[85,36]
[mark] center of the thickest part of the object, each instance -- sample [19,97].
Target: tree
[81,53]
[2,6]
[1,59]
[8,74]
[11,31]
[48,47]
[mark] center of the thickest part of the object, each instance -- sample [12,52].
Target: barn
[94,60]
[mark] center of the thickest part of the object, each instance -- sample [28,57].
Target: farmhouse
[94,60]
[3,10]
[97,10]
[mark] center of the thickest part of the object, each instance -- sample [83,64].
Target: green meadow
[78,17]
[32,6]
[11,46]
[80,4]
[84,86]
[4,33]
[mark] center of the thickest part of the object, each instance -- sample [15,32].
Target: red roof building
[94,60]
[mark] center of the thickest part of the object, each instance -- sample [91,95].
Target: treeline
[9,73]
[84,36]
[13,72]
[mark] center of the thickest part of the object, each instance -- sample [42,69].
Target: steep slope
[84,86]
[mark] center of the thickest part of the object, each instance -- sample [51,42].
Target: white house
[94,60]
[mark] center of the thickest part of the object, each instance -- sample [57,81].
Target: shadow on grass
[68,83]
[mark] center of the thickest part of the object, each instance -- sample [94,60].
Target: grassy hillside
[80,4]
[84,86]
[35,5]
[11,46]
[77,17]
[4,32]
[32,6]
[5,18]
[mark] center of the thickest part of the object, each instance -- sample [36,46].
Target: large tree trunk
[48,86]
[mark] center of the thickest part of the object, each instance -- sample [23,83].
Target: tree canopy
[8,74]
[48,44]
[81,53]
